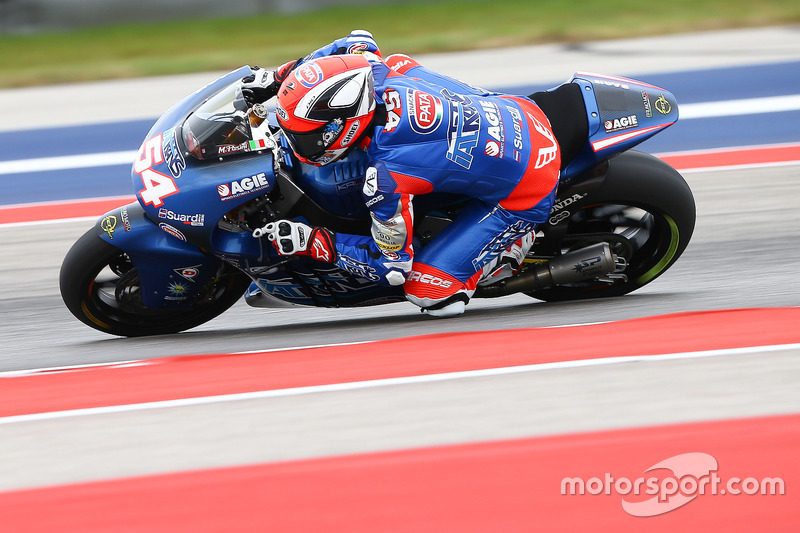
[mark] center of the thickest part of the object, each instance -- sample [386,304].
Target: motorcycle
[213,169]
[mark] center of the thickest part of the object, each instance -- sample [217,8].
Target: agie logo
[424,111]
[242,187]
[619,124]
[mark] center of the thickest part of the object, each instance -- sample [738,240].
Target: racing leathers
[434,134]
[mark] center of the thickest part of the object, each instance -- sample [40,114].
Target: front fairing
[185,188]
[193,176]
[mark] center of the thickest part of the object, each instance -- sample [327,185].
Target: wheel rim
[647,240]
[113,295]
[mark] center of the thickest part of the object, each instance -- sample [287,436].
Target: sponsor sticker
[281,112]
[371,181]
[375,200]
[619,124]
[177,292]
[172,153]
[547,154]
[662,105]
[516,122]
[172,231]
[425,111]
[496,145]
[109,225]
[561,204]
[226,149]
[462,133]
[429,279]
[242,187]
[615,84]
[358,48]
[126,219]
[397,67]
[387,241]
[648,109]
[192,220]
[309,75]
[348,137]
[188,273]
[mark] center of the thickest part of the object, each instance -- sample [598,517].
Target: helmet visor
[313,144]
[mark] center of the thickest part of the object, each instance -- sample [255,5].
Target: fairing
[622,113]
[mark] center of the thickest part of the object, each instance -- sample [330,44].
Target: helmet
[326,106]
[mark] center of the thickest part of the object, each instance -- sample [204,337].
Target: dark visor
[312,144]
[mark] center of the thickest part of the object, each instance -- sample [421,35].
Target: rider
[422,132]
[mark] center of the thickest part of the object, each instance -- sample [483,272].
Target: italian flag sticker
[257,145]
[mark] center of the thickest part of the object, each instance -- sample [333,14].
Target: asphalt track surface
[743,255]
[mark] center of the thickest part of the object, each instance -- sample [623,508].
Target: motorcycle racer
[423,133]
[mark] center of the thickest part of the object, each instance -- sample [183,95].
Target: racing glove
[358,42]
[263,84]
[291,238]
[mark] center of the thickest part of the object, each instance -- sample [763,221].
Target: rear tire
[644,209]
[99,285]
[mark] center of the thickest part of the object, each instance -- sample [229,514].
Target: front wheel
[645,211]
[100,286]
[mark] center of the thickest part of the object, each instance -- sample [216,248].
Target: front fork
[169,271]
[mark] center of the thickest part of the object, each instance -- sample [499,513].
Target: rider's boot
[509,262]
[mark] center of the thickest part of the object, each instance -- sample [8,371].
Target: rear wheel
[100,286]
[645,211]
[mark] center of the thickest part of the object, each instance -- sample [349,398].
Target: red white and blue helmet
[325,106]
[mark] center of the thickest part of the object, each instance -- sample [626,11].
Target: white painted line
[43,222]
[292,348]
[44,371]
[739,167]
[144,362]
[728,149]
[127,198]
[371,384]
[123,200]
[746,106]
[66,162]
[71,368]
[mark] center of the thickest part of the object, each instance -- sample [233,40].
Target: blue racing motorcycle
[213,169]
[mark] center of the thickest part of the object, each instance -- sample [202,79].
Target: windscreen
[225,125]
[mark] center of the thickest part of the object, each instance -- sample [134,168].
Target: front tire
[99,285]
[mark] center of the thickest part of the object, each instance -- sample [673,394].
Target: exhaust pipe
[592,262]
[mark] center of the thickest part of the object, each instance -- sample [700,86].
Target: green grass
[175,47]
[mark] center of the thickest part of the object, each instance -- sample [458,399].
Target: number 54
[157,186]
